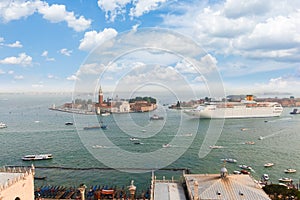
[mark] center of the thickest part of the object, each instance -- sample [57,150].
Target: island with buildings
[105,107]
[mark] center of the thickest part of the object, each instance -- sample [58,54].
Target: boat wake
[280,119]
[273,135]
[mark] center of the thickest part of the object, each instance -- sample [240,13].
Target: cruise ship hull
[235,112]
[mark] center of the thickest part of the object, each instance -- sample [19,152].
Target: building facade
[17,183]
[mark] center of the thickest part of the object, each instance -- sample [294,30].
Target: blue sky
[254,44]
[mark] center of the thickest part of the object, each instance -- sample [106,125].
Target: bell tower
[100,96]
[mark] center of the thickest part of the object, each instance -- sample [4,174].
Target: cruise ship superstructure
[245,109]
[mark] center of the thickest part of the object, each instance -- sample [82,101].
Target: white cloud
[14,10]
[249,29]
[279,84]
[45,54]
[57,13]
[238,8]
[159,74]
[22,59]
[2,72]
[65,52]
[113,8]
[72,78]
[280,32]
[10,72]
[17,44]
[18,77]
[92,38]
[144,6]
[200,79]
[91,68]
[135,27]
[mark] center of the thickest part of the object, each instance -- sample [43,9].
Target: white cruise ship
[244,109]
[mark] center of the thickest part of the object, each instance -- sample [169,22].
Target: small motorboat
[137,142]
[243,171]
[166,145]
[2,125]
[91,127]
[133,139]
[103,126]
[37,157]
[98,146]
[261,138]
[250,142]
[104,114]
[265,177]
[245,167]
[289,170]
[295,111]
[229,160]
[283,184]
[268,164]
[285,180]
[236,172]
[215,147]
[68,123]
[156,117]
[40,177]
[95,127]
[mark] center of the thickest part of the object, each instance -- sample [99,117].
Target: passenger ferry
[245,109]
[37,157]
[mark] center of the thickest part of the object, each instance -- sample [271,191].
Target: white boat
[236,172]
[105,114]
[156,117]
[265,177]
[215,147]
[166,145]
[133,139]
[229,160]
[37,157]
[245,167]
[244,109]
[98,147]
[2,125]
[268,164]
[289,170]
[285,179]
[261,138]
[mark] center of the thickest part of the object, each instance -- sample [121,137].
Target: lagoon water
[33,129]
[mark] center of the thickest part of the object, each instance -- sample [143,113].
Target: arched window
[17,198]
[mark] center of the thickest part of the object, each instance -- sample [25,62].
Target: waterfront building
[142,106]
[16,183]
[120,107]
